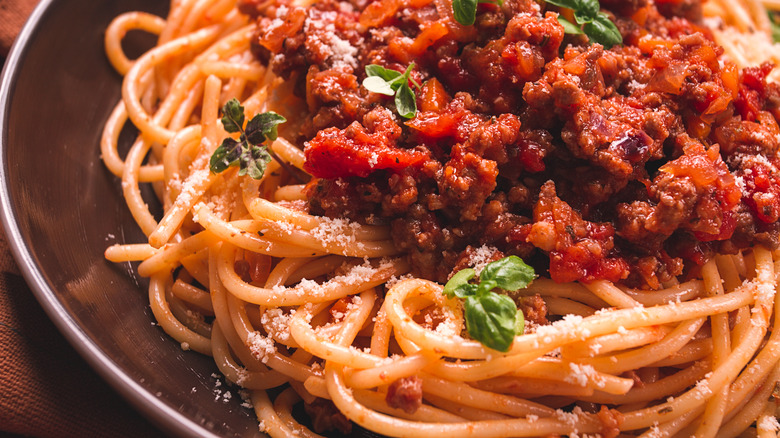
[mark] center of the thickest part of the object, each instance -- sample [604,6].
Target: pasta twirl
[328,311]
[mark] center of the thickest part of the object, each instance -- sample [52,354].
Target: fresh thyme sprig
[248,152]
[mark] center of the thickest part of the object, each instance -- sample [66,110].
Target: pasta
[326,309]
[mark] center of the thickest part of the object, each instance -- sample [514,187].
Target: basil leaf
[486,285]
[233,116]
[569,27]
[405,102]
[263,126]
[603,31]
[376,84]
[466,290]
[510,273]
[492,320]
[379,71]
[519,322]
[773,22]
[597,25]
[465,11]
[225,155]
[587,11]
[460,278]
[571,4]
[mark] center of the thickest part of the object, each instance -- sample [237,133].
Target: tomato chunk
[353,151]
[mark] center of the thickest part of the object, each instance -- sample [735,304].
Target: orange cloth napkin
[13,14]
[46,388]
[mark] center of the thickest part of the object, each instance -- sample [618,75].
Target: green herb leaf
[486,285]
[510,273]
[603,31]
[597,25]
[492,320]
[519,322]
[248,152]
[393,83]
[233,116]
[569,27]
[465,11]
[376,84]
[263,126]
[571,4]
[774,21]
[384,73]
[253,161]
[466,290]
[226,155]
[587,11]
[405,102]
[460,278]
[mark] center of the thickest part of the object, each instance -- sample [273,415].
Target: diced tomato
[274,37]
[751,91]
[433,96]
[763,193]
[378,13]
[353,151]
[728,225]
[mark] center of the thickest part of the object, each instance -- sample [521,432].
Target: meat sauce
[634,164]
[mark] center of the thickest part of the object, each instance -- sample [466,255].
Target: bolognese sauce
[634,164]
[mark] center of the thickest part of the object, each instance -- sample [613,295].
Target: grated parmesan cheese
[768,422]
[481,257]
[261,346]
[581,374]
[277,323]
[340,232]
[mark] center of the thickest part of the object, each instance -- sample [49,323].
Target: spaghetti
[325,309]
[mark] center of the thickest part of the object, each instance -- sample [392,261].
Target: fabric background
[13,14]
[46,388]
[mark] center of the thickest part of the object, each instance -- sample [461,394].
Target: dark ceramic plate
[61,208]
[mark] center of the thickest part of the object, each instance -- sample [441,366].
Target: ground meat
[578,249]
[254,8]
[325,417]
[516,57]
[466,259]
[467,178]
[695,192]
[676,199]
[336,97]
[405,394]
[688,9]
[623,7]
[420,234]
[611,419]
[632,164]
[534,309]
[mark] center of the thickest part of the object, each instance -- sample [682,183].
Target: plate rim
[157,411]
